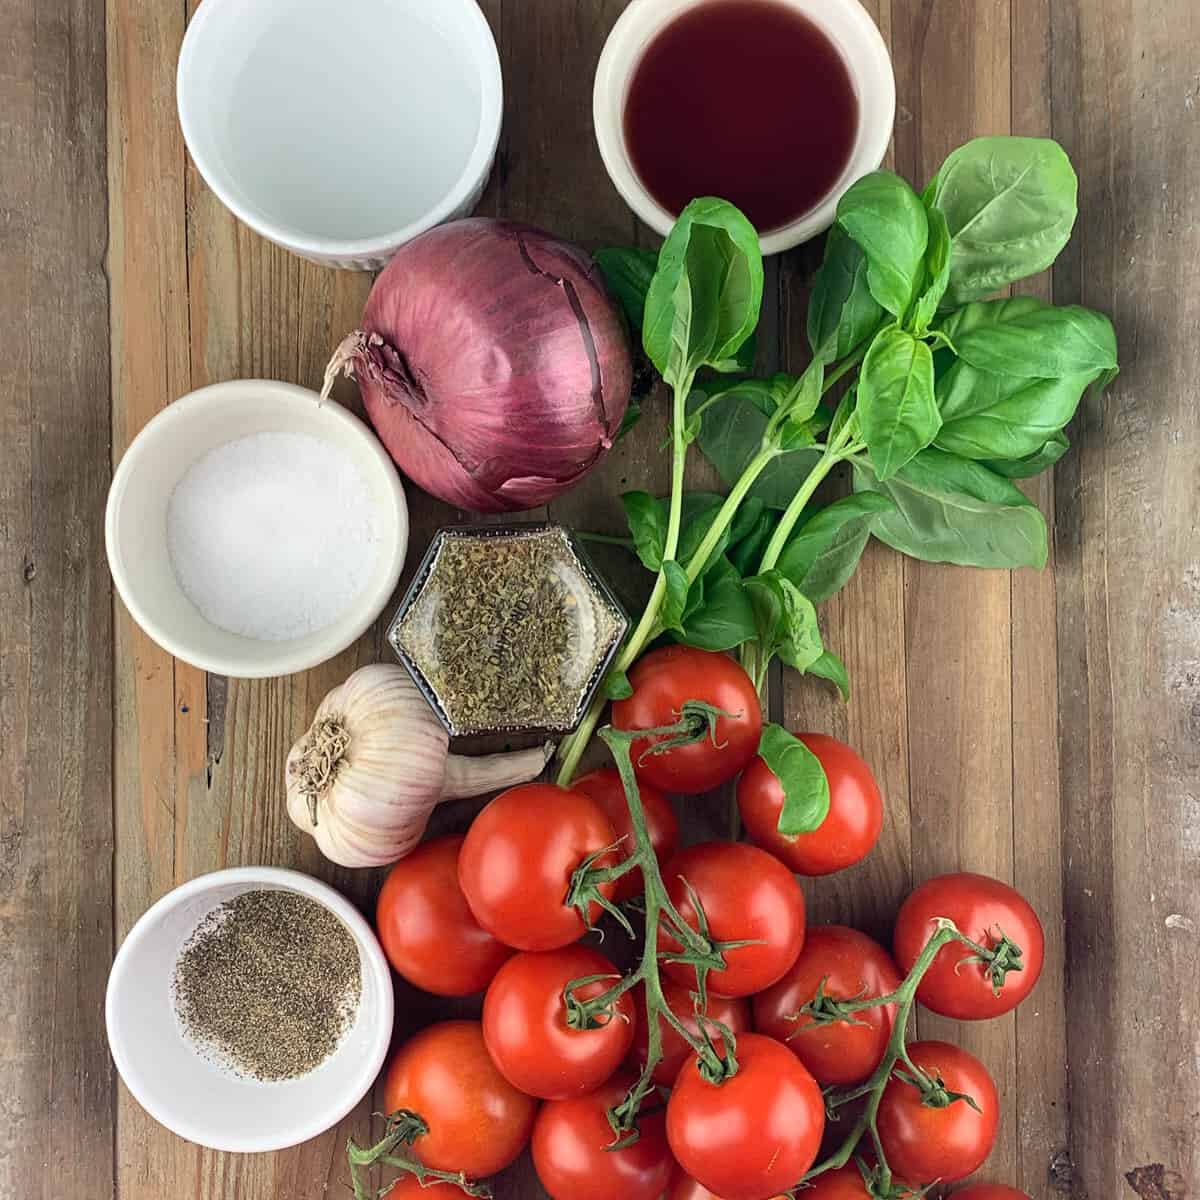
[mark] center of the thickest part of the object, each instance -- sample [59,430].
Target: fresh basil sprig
[947,397]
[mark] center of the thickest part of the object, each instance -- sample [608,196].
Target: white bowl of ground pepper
[250,1009]
[254,531]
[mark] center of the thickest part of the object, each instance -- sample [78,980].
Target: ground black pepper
[268,983]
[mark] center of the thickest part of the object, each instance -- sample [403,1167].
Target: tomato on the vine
[990,1191]
[753,1135]
[946,1139]
[842,1183]
[516,864]
[478,1121]
[525,1023]
[662,681]
[572,1153]
[847,834]
[746,895]
[684,1187]
[987,911]
[426,926]
[604,786]
[733,1013]
[408,1187]
[848,965]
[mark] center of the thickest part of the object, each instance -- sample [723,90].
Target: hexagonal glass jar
[507,629]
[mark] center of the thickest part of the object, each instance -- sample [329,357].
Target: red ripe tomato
[662,680]
[427,930]
[684,1187]
[923,1142]
[571,1141]
[847,834]
[682,1002]
[989,1191]
[985,910]
[516,864]
[407,1187]
[478,1122]
[852,967]
[604,786]
[754,1135]
[746,895]
[525,1024]
[844,1183]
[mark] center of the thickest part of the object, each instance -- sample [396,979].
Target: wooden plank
[56,832]
[1129,610]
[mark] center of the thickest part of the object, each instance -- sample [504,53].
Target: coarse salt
[273,536]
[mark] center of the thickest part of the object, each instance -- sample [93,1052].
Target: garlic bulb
[374,764]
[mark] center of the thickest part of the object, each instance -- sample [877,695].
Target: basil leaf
[824,553]
[897,412]
[1009,204]
[886,218]
[992,416]
[617,686]
[699,511]
[785,619]
[726,618]
[830,667]
[675,600]
[842,313]
[627,271]
[746,519]
[704,300]
[799,770]
[951,510]
[1035,463]
[937,268]
[1025,336]
[648,523]
[731,434]
[749,549]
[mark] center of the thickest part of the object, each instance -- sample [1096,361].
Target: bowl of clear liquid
[341,129]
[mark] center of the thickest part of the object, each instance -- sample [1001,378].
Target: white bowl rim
[368,943]
[314,649]
[611,72]
[476,168]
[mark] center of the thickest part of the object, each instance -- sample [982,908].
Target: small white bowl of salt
[254,531]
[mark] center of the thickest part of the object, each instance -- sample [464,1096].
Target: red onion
[492,362]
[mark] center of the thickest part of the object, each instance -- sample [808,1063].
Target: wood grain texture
[56,830]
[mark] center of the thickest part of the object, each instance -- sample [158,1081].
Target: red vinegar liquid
[743,99]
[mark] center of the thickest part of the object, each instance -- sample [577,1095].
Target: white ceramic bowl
[849,27]
[341,129]
[135,527]
[184,1091]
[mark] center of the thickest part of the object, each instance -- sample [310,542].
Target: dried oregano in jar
[507,629]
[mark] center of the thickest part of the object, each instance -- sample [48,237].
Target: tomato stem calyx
[402,1129]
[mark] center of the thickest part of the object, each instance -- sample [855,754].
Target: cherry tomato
[923,1143]
[516,864]
[604,786]
[662,680]
[989,1191]
[525,1024]
[408,1188]
[746,895]
[844,1183]
[571,1154]
[847,834]
[682,1002]
[755,1134]
[985,910]
[427,930]
[850,966]
[684,1187]
[478,1122]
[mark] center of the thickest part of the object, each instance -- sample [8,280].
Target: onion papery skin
[494,365]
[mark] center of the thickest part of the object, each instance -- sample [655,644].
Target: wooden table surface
[1041,727]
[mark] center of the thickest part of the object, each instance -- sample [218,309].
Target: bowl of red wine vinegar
[774,105]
